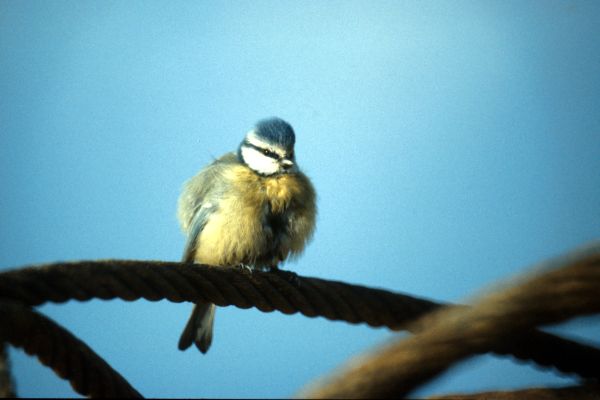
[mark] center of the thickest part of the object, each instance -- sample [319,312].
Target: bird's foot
[246,268]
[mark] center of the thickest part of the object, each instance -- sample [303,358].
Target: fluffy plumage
[236,211]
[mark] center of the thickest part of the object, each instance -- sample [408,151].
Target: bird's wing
[196,226]
[199,200]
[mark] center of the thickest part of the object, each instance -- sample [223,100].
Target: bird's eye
[266,152]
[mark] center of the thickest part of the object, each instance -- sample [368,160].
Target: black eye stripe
[265,152]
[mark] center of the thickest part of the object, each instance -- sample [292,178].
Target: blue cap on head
[276,131]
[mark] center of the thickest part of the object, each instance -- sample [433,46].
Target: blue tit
[251,208]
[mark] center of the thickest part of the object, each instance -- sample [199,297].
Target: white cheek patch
[259,162]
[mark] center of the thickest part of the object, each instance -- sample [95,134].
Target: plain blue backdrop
[452,144]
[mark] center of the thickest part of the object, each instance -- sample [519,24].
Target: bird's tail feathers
[199,328]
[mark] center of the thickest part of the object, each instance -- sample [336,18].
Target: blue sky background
[452,144]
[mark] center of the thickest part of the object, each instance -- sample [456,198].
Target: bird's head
[268,148]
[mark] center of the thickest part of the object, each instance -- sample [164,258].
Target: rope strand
[7,385]
[454,333]
[58,349]
[504,323]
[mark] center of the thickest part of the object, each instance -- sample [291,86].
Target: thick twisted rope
[454,333]
[177,282]
[56,348]
[131,280]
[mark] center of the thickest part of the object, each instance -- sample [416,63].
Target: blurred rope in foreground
[503,322]
[450,335]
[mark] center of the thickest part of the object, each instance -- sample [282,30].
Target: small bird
[252,208]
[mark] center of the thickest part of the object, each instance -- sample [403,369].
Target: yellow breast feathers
[278,191]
